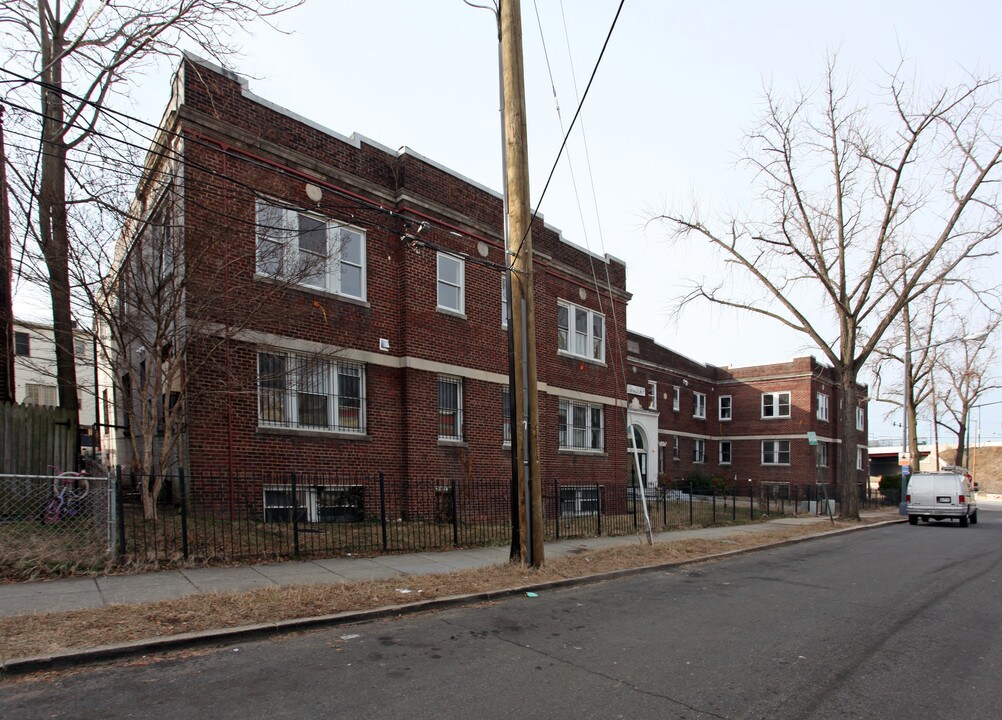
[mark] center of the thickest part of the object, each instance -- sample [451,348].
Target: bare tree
[910,188]
[77,55]
[968,371]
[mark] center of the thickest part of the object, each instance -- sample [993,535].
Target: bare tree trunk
[847,491]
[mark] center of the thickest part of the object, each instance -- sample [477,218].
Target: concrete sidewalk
[93,592]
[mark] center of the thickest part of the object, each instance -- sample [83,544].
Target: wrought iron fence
[55,525]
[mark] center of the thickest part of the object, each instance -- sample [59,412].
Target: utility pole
[6,284]
[524,395]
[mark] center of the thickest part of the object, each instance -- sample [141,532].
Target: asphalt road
[897,622]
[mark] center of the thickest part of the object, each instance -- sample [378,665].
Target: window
[22,344]
[580,331]
[674,449]
[312,251]
[725,452]
[676,399]
[80,348]
[661,458]
[699,405]
[775,452]
[310,392]
[580,426]
[699,451]
[450,408]
[506,430]
[859,458]
[653,385]
[504,301]
[41,394]
[314,503]
[724,407]
[776,405]
[860,418]
[822,407]
[451,278]
[579,500]
[822,454]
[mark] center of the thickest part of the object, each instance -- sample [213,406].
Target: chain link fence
[55,525]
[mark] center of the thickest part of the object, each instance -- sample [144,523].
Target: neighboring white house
[35,371]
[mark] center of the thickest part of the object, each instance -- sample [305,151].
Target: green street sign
[812,438]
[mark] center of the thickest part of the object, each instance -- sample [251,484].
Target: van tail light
[908,497]
[960,499]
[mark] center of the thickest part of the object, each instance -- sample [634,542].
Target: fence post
[455,515]
[184,512]
[121,515]
[382,508]
[598,494]
[751,500]
[556,502]
[690,503]
[734,502]
[295,518]
[796,499]
[664,506]
[635,492]
[713,496]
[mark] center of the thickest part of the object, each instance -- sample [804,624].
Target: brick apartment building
[388,352]
[736,424]
[344,312]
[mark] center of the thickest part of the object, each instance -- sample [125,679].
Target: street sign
[812,438]
[906,470]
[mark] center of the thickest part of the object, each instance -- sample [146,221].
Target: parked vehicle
[947,495]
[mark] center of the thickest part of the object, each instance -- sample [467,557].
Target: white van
[944,495]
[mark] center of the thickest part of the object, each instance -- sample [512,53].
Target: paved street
[894,622]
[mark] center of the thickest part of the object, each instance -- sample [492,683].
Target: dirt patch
[29,635]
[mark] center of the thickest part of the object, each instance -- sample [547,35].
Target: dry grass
[29,635]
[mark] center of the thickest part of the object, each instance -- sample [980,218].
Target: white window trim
[859,458]
[290,402]
[720,452]
[698,451]
[461,286]
[676,400]
[698,405]
[823,413]
[566,443]
[776,452]
[290,250]
[860,419]
[775,404]
[720,408]
[675,452]
[504,301]
[653,385]
[590,315]
[585,494]
[822,454]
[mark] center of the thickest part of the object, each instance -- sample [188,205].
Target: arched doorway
[637,447]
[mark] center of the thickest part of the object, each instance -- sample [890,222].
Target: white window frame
[285,236]
[676,398]
[860,418]
[286,399]
[569,338]
[720,453]
[40,394]
[675,452]
[720,408]
[859,458]
[774,450]
[459,285]
[458,425]
[823,407]
[699,405]
[576,500]
[773,402]
[653,385]
[580,437]
[698,451]
[506,410]
[504,300]
[822,454]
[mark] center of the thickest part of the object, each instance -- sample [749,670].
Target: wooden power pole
[525,397]
[6,280]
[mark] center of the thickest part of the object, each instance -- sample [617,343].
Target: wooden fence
[33,437]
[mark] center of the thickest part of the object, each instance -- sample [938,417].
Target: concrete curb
[136,648]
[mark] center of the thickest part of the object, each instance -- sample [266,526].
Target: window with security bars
[310,392]
[450,408]
[580,426]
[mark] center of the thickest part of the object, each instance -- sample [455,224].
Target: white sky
[680,84]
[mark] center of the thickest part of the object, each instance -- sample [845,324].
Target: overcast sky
[680,84]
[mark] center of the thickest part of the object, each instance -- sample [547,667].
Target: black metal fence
[296,515]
